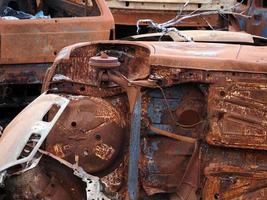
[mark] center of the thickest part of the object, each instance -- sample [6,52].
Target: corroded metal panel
[256,24]
[202,125]
[39,40]
[238,114]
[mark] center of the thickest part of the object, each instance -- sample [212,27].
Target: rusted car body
[210,36]
[257,9]
[128,12]
[143,120]
[29,47]
[238,15]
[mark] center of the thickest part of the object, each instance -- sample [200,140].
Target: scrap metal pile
[184,119]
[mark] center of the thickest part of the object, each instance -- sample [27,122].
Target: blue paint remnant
[242,24]
[149,151]
[158,105]
[188,133]
[170,93]
[264,32]
[259,19]
[165,127]
[134,150]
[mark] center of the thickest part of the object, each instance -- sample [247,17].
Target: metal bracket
[93,185]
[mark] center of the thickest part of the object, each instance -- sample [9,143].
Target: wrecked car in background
[235,15]
[128,12]
[143,120]
[257,23]
[29,46]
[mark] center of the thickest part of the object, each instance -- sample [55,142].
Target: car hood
[193,55]
[209,56]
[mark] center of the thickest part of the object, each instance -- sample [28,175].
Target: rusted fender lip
[28,122]
[65,53]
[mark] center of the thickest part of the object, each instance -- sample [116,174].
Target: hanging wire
[168,26]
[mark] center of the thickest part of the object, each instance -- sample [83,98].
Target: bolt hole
[82,88]
[98,137]
[220,115]
[73,124]
[222,93]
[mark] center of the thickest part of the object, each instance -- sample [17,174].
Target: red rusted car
[143,120]
[29,46]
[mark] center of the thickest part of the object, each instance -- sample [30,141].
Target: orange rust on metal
[54,179]
[104,61]
[28,47]
[114,180]
[104,151]
[213,95]
[257,23]
[130,17]
[94,143]
[45,38]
